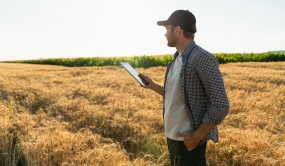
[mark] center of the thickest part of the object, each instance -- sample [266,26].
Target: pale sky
[33,29]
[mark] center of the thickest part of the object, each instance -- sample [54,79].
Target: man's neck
[183,45]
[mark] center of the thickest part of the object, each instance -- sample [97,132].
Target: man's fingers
[190,149]
[183,134]
[143,75]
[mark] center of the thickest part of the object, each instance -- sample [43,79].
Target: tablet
[134,73]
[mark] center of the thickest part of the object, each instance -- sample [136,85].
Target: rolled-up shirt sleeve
[207,68]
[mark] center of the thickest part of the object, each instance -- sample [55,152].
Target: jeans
[180,156]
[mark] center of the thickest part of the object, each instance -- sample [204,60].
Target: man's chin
[170,45]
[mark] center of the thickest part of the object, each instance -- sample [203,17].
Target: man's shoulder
[201,55]
[201,51]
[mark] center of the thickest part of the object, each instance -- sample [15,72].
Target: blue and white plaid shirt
[203,89]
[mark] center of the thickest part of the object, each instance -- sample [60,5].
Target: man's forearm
[158,88]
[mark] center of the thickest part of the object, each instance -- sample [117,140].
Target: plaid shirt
[203,89]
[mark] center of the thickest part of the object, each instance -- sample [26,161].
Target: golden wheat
[51,115]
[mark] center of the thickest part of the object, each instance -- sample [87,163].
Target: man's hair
[186,34]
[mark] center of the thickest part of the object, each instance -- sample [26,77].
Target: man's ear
[177,30]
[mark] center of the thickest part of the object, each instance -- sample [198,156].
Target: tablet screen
[134,73]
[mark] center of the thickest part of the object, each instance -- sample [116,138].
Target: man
[195,100]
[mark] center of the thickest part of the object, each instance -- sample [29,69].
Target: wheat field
[61,116]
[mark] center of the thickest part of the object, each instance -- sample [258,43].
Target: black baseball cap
[183,18]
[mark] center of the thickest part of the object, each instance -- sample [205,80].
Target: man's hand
[150,82]
[191,141]
[152,85]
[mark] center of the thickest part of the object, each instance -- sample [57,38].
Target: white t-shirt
[176,119]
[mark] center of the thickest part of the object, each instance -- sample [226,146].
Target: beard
[171,41]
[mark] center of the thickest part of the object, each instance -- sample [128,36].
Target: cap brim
[162,23]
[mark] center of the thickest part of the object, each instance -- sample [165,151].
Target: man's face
[171,39]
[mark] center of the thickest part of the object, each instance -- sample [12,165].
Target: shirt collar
[189,47]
